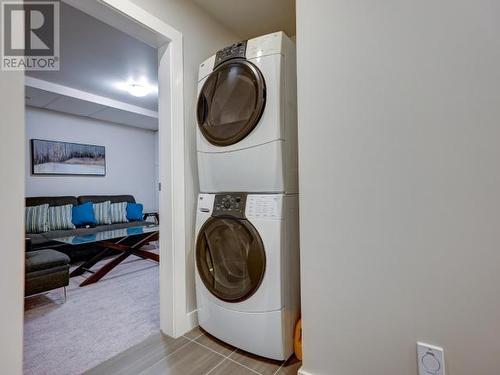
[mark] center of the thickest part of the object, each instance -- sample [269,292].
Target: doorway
[128,18]
[131,19]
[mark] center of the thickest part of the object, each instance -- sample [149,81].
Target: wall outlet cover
[430,359]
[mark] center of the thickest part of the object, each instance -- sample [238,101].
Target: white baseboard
[191,320]
[303,372]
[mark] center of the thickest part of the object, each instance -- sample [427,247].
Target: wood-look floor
[194,353]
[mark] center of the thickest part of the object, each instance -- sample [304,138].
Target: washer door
[231,102]
[230,258]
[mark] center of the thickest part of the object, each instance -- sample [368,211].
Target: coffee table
[127,241]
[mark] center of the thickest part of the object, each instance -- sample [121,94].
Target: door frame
[135,21]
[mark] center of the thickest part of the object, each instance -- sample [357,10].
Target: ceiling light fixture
[137,87]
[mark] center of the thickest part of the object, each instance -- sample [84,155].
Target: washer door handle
[210,262]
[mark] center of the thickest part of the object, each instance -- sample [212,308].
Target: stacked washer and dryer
[247,243]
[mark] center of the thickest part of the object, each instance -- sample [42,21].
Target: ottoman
[45,270]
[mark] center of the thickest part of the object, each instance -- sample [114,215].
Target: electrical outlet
[430,359]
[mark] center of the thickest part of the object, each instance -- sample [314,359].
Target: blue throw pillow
[134,211]
[83,215]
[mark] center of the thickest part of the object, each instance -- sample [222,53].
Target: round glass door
[231,102]
[230,258]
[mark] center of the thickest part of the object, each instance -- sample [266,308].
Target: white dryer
[247,270]
[247,117]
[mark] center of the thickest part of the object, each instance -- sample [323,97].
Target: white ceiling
[251,18]
[95,57]
[56,101]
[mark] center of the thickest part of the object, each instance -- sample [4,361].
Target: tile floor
[197,352]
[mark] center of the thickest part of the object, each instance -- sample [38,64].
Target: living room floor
[197,352]
[96,322]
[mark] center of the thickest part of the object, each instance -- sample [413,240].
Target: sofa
[45,240]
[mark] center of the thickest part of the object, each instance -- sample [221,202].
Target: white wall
[202,37]
[11,221]
[399,130]
[131,158]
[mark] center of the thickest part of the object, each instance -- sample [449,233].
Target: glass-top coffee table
[127,241]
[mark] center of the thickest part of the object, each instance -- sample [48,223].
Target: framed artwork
[63,158]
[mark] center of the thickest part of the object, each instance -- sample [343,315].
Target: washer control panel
[231,52]
[230,204]
[265,206]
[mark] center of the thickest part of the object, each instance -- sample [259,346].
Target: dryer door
[231,102]
[230,258]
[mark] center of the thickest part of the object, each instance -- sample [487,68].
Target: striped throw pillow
[119,212]
[36,219]
[102,213]
[60,217]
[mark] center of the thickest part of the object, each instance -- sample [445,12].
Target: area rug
[95,323]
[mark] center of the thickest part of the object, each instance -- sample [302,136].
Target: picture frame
[58,158]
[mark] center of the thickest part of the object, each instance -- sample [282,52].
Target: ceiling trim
[87,96]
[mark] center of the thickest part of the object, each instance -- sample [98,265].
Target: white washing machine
[247,117]
[247,270]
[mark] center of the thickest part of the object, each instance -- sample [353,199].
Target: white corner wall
[131,157]
[11,222]
[202,37]
[399,134]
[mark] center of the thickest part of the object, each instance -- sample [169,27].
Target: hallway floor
[194,353]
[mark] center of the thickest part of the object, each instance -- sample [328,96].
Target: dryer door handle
[202,112]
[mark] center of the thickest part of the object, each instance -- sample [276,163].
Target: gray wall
[202,37]
[131,157]
[399,130]
[11,221]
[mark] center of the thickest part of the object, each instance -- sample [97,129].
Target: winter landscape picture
[52,157]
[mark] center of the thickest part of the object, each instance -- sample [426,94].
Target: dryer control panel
[230,204]
[231,52]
